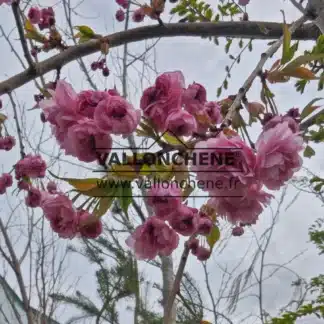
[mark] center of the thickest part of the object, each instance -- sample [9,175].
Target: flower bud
[237,231]
[255,108]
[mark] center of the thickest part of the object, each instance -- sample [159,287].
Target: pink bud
[33,198]
[138,15]
[203,253]
[51,187]
[120,15]
[237,231]
[255,108]
[205,225]
[192,244]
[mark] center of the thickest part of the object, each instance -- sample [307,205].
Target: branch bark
[241,29]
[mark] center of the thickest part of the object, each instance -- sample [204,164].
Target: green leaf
[286,45]
[103,206]
[172,139]
[304,59]
[209,14]
[309,108]
[125,197]
[213,237]
[85,31]
[309,152]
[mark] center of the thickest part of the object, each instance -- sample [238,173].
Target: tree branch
[241,29]
[258,69]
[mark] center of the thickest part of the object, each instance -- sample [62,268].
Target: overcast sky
[204,62]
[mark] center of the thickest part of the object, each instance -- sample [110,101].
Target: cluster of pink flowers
[66,221]
[170,106]
[7,143]
[31,166]
[274,163]
[5,182]
[44,18]
[137,16]
[82,123]
[160,233]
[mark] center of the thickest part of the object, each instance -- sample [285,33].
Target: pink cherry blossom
[245,209]
[59,211]
[7,143]
[138,15]
[122,3]
[277,157]
[184,220]
[5,182]
[86,141]
[61,111]
[116,115]
[164,200]
[34,198]
[166,95]
[194,98]
[274,121]
[32,166]
[90,230]
[47,18]
[34,15]
[192,244]
[152,238]
[181,123]
[222,158]
[87,102]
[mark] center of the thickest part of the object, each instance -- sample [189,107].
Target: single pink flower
[166,95]
[62,110]
[5,182]
[192,244]
[47,18]
[181,123]
[184,220]
[58,209]
[138,15]
[34,198]
[92,229]
[194,98]
[274,121]
[32,166]
[87,102]
[277,155]
[164,200]
[114,114]
[34,15]
[152,238]
[7,143]
[86,141]
[245,209]
[229,160]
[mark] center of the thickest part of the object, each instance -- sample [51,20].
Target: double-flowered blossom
[83,123]
[152,238]
[31,166]
[165,96]
[278,158]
